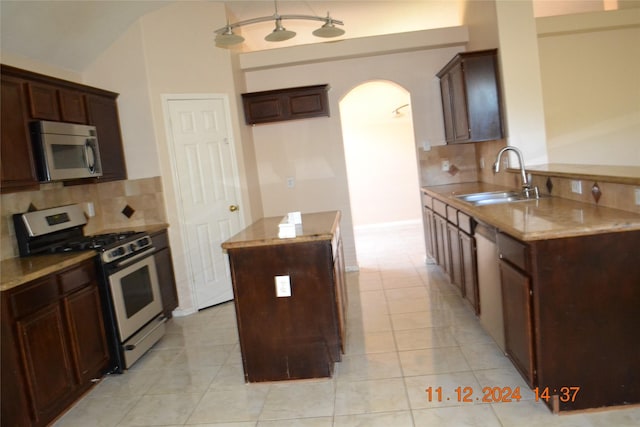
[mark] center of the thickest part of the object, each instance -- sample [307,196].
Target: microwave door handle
[90,156]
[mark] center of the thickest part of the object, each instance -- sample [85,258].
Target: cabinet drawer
[514,251]
[32,297]
[440,208]
[76,278]
[465,223]
[427,201]
[452,215]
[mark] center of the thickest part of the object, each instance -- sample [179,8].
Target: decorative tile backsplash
[144,197]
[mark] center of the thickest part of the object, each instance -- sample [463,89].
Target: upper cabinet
[286,104]
[471,102]
[47,102]
[28,96]
[17,164]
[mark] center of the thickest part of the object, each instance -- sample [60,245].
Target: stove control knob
[117,252]
[143,242]
[132,247]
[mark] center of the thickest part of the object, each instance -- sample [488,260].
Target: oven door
[135,291]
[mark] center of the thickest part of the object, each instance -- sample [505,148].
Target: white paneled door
[207,183]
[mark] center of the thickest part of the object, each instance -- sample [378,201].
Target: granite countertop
[618,174]
[17,271]
[264,232]
[545,218]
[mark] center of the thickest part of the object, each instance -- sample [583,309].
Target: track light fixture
[226,37]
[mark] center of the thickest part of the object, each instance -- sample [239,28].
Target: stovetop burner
[96,242]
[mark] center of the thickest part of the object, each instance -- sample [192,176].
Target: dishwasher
[489,284]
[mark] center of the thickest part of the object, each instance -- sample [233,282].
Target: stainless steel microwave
[65,151]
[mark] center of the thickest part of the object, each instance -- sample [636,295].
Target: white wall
[312,150]
[521,81]
[590,67]
[170,51]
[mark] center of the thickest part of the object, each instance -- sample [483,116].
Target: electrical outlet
[481,162]
[291,182]
[283,286]
[637,196]
[446,166]
[576,187]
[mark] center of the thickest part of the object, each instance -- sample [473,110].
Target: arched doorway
[380,154]
[382,166]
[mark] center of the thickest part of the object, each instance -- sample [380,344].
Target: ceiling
[72,34]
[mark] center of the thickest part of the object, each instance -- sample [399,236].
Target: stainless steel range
[129,287]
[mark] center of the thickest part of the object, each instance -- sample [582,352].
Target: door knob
[234,208]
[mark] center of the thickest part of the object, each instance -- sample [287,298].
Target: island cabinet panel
[585,306]
[287,337]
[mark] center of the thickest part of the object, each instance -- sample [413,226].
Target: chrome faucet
[527,191]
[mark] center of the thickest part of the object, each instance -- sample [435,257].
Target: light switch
[283,286]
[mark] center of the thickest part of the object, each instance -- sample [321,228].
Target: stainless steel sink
[494,197]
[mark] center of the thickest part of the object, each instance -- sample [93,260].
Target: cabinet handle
[234,208]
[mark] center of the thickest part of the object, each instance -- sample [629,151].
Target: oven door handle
[135,257]
[130,347]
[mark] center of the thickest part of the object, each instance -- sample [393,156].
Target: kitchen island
[290,298]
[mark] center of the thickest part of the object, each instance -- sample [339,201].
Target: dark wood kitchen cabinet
[17,167]
[517,295]
[301,333]
[29,96]
[166,276]
[571,316]
[53,344]
[468,261]
[450,242]
[471,101]
[48,102]
[102,112]
[286,104]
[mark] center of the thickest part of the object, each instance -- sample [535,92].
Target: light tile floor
[407,330]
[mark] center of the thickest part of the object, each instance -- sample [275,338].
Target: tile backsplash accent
[144,196]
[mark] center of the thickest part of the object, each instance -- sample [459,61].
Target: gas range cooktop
[98,242]
[58,230]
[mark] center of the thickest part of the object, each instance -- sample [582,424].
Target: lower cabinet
[166,276]
[450,242]
[469,264]
[53,345]
[518,328]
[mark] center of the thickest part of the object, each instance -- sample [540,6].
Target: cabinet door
[86,329]
[429,234]
[72,107]
[43,101]
[167,280]
[455,258]
[17,160]
[469,270]
[442,240]
[459,104]
[103,114]
[447,112]
[518,328]
[46,359]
